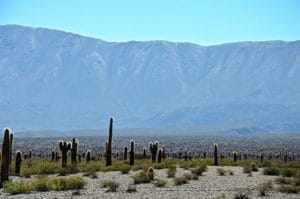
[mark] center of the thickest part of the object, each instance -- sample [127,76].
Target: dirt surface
[210,185]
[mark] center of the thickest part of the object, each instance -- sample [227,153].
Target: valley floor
[209,185]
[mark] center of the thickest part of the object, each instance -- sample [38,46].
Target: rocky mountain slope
[51,79]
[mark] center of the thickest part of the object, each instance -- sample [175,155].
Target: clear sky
[200,21]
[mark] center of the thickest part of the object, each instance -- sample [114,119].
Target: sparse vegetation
[263,188]
[171,172]
[221,171]
[288,188]
[110,184]
[45,183]
[143,177]
[271,171]
[199,170]
[160,183]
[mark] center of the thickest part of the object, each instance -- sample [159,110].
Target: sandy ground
[209,185]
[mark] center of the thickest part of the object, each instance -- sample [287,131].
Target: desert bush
[247,169]
[180,180]
[183,179]
[74,182]
[287,172]
[271,171]
[171,172]
[288,188]
[283,180]
[110,184]
[160,183]
[143,177]
[16,187]
[47,183]
[199,170]
[125,169]
[263,188]
[221,171]
[41,183]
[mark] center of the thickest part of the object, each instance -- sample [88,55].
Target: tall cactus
[53,156]
[131,152]
[216,155]
[11,136]
[5,156]
[74,151]
[234,156]
[109,150]
[64,147]
[18,162]
[159,157]
[30,154]
[125,153]
[88,156]
[153,149]
[144,153]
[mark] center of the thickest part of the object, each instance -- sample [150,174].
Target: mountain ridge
[58,80]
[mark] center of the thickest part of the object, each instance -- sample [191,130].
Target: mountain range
[50,79]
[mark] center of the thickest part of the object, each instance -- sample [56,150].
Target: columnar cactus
[125,153]
[144,153]
[153,149]
[30,154]
[88,156]
[18,162]
[74,151]
[11,136]
[261,157]
[64,147]
[164,153]
[5,156]
[160,151]
[79,158]
[234,156]
[53,156]
[109,151]
[131,153]
[216,155]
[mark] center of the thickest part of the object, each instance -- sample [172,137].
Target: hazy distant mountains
[56,80]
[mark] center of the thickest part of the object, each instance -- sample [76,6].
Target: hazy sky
[200,21]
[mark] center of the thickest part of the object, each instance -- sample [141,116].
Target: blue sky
[204,22]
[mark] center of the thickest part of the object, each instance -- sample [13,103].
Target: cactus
[11,136]
[164,156]
[234,156]
[74,151]
[144,153]
[64,147]
[131,153]
[53,156]
[18,162]
[160,151]
[125,152]
[216,155]
[153,149]
[79,158]
[109,151]
[261,157]
[5,156]
[88,156]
